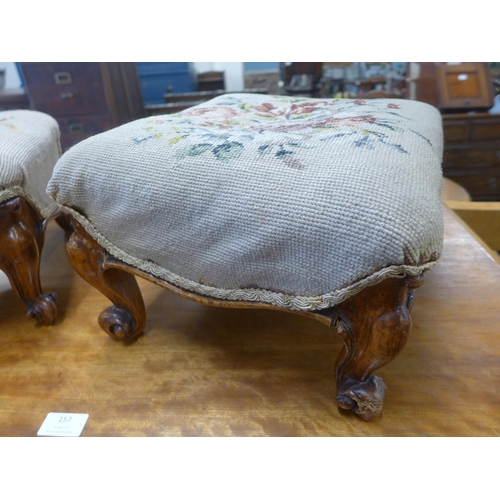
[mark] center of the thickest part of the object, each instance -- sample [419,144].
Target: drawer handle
[492,183]
[62,78]
[67,95]
[76,128]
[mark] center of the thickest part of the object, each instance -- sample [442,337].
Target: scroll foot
[22,237]
[374,326]
[126,318]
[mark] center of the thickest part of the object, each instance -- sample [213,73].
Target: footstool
[29,149]
[329,208]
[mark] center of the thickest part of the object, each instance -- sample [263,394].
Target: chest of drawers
[472,153]
[84,98]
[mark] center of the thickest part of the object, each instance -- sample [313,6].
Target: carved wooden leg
[22,235]
[127,317]
[374,325]
[64,222]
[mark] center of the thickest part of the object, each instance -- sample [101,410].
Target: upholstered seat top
[29,149]
[296,202]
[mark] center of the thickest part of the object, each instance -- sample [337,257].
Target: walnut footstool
[29,149]
[329,208]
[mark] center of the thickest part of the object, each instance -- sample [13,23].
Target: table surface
[202,371]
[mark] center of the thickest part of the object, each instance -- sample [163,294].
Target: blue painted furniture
[159,78]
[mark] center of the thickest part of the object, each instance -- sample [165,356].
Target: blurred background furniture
[364,79]
[84,98]
[303,78]
[464,86]
[158,78]
[183,100]
[456,87]
[259,75]
[472,153]
[464,92]
[210,80]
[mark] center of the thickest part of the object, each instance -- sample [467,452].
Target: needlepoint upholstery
[29,149]
[295,202]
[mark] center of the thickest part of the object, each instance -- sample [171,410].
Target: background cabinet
[84,98]
[463,92]
[472,153]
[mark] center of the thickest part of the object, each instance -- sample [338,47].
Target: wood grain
[207,371]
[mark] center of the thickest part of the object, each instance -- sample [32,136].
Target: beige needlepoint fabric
[29,149]
[295,202]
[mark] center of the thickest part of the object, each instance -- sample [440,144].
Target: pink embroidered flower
[303,108]
[393,106]
[268,110]
[359,102]
[290,126]
[266,107]
[218,112]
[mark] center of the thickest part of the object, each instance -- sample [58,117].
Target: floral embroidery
[151,133]
[280,126]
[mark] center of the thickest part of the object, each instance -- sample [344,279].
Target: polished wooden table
[202,371]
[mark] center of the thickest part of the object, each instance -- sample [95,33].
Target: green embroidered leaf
[198,149]
[176,139]
[246,105]
[228,150]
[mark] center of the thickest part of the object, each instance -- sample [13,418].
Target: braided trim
[15,191]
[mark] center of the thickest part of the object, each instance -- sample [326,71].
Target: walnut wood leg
[127,317]
[22,236]
[64,222]
[374,326]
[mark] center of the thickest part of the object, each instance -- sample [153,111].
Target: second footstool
[29,149]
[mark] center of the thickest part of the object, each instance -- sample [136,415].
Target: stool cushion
[29,149]
[295,202]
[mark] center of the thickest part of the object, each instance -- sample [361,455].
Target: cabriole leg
[22,234]
[127,317]
[374,326]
